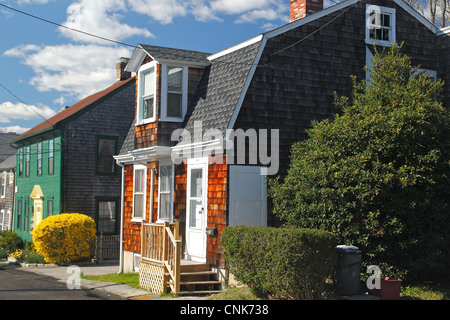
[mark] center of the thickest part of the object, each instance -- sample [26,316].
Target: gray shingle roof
[129,143]
[9,163]
[162,53]
[219,90]
[5,149]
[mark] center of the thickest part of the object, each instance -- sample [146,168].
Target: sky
[44,67]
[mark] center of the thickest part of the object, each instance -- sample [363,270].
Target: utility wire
[1,85]
[66,27]
[315,31]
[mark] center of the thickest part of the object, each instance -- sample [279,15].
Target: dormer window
[380,25]
[174,87]
[147,91]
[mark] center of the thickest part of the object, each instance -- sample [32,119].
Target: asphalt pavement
[17,278]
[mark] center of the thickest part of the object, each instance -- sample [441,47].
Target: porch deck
[161,267]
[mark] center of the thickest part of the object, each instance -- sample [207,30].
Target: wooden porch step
[197,273]
[197,279]
[199,292]
[205,282]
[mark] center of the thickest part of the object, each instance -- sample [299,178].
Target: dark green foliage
[10,241]
[285,263]
[377,175]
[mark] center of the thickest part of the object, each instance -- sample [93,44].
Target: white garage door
[248,196]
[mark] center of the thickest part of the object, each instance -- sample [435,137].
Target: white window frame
[172,184]
[164,92]
[3,185]
[140,101]
[369,24]
[144,193]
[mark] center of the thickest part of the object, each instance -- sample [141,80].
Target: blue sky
[48,67]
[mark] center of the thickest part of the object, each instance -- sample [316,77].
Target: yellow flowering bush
[64,238]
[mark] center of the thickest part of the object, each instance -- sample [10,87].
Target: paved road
[16,284]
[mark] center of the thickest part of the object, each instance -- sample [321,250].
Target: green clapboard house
[65,164]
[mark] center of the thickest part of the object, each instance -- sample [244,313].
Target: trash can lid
[347,249]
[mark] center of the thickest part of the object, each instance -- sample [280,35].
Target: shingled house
[65,164]
[238,112]
[7,180]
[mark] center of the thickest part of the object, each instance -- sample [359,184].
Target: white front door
[196,209]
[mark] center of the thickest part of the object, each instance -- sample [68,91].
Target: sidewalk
[62,273]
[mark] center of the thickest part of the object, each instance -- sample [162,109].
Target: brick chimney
[302,8]
[121,74]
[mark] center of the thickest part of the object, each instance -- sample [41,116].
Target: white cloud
[34,1]
[206,10]
[15,129]
[162,11]
[99,17]
[74,70]
[10,112]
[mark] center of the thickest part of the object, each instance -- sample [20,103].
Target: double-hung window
[39,158]
[147,91]
[3,184]
[139,193]
[165,192]
[51,156]
[106,149]
[20,162]
[380,25]
[174,92]
[27,161]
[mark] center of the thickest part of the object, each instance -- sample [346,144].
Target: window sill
[145,121]
[378,42]
[137,220]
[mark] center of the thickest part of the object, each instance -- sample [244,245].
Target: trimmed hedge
[284,263]
[64,238]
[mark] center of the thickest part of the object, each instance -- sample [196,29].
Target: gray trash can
[347,272]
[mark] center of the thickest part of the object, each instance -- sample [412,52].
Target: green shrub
[284,263]
[10,241]
[3,253]
[378,174]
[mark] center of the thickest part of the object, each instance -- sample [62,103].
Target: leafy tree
[377,175]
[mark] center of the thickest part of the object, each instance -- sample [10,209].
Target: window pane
[106,151]
[39,155]
[385,34]
[165,176]
[138,206]
[174,79]
[149,82]
[50,155]
[164,210]
[196,183]
[107,217]
[49,208]
[195,212]
[174,105]
[139,181]
[147,108]
[386,20]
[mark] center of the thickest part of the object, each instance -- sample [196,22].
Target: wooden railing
[161,243]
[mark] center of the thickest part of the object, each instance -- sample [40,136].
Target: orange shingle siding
[217,208]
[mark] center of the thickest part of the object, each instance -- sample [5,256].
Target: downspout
[122,198]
